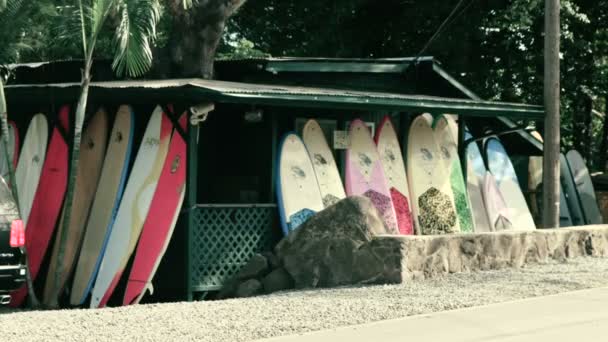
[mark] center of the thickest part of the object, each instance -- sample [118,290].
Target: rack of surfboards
[425,192]
[120,211]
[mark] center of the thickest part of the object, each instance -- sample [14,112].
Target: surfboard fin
[149,287]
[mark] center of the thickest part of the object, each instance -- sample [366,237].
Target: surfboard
[476,172]
[47,202]
[451,161]
[105,204]
[499,215]
[570,192]
[365,175]
[92,151]
[584,187]
[429,183]
[502,169]
[535,178]
[326,170]
[393,166]
[13,151]
[134,206]
[28,170]
[298,192]
[160,222]
[565,217]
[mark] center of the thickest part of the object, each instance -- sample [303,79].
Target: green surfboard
[449,155]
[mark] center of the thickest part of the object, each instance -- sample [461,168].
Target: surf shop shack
[234,128]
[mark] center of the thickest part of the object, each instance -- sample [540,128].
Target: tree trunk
[11,171]
[551,186]
[603,154]
[73,171]
[196,35]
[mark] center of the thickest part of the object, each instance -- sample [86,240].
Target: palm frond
[135,34]
[68,26]
[10,8]
[187,4]
[99,11]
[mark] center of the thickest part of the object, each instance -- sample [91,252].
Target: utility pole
[551,148]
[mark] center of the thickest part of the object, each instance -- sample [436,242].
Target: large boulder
[277,280]
[321,252]
[257,266]
[249,288]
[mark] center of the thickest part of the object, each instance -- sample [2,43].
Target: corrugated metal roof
[235,92]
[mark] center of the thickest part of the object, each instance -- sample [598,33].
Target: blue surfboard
[298,193]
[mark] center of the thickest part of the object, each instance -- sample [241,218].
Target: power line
[454,14]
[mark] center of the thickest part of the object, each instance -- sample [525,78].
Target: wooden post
[192,201]
[551,149]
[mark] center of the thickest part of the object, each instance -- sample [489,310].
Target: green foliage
[235,47]
[495,47]
[135,33]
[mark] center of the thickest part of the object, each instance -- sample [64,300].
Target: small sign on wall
[341,141]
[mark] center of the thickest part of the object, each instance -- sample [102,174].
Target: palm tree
[134,26]
[134,31]
[9,17]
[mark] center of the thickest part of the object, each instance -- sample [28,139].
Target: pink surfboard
[387,143]
[160,222]
[47,202]
[365,176]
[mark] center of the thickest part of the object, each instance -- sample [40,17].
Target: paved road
[573,316]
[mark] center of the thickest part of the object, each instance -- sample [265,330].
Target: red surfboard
[389,149]
[47,202]
[162,217]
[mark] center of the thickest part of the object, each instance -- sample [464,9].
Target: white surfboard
[430,188]
[30,164]
[134,206]
[330,183]
[298,190]
[502,169]
[476,173]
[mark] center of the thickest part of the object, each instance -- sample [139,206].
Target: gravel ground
[299,311]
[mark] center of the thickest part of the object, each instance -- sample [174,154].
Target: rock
[277,280]
[229,288]
[249,288]
[379,262]
[273,261]
[256,267]
[320,253]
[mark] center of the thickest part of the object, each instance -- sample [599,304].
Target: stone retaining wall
[346,244]
[402,258]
